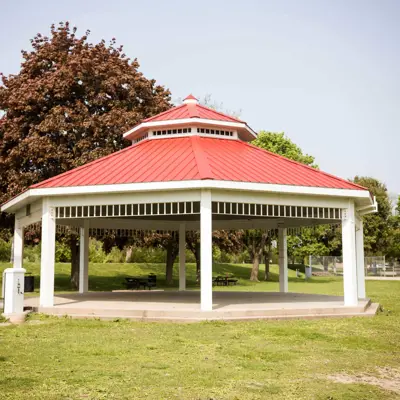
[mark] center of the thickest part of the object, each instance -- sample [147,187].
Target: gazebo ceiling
[195,158]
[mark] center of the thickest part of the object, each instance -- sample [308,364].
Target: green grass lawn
[50,358]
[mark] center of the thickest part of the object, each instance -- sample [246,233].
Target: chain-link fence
[324,266]
[331,265]
[381,266]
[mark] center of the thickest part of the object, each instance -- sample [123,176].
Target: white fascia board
[370,209]
[19,200]
[188,121]
[27,196]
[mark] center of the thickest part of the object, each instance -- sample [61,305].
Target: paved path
[382,278]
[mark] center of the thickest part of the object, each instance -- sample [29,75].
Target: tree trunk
[12,251]
[257,250]
[256,268]
[266,275]
[74,263]
[267,258]
[194,246]
[197,256]
[169,265]
[129,251]
[326,263]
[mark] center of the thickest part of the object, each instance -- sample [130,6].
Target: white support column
[182,256]
[84,257]
[360,259]
[283,260]
[47,256]
[349,256]
[18,245]
[206,250]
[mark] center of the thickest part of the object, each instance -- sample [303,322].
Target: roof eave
[177,122]
[364,203]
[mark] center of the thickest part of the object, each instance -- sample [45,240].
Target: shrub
[216,254]
[96,252]
[227,258]
[32,253]
[5,250]
[147,255]
[115,256]
[63,252]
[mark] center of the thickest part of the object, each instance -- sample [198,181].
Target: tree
[258,243]
[254,240]
[377,228]
[168,242]
[394,242]
[398,206]
[279,143]
[70,104]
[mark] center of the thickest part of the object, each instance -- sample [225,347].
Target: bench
[137,283]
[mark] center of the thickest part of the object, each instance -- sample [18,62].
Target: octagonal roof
[195,158]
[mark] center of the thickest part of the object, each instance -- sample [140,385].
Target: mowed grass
[50,358]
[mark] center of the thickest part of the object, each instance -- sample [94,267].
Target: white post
[349,256]
[13,291]
[182,256]
[283,260]
[84,257]
[360,259]
[18,247]
[47,256]
[206,250]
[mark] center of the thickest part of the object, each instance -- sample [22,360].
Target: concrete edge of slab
[369,310]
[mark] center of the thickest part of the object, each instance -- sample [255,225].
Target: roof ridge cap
[304,165]
[81,167]
[162,113]
[201,158]
[220,113]
[193,112]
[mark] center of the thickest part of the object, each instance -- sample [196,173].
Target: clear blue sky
[324,72]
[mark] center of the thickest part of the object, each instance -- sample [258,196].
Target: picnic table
[133,282]
[224,280]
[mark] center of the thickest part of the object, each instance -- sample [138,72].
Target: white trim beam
[187,187]
[206,251]
[18,247]
[130,135]
[84,257]
[47,256]
[283,260]
[349,256]
[360,259]
[182,256]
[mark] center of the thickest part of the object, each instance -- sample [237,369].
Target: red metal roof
[191,110]
[195,158]
[190,97]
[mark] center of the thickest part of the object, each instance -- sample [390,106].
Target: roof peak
[190,100]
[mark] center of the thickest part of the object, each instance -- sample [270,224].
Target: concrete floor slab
[185,306]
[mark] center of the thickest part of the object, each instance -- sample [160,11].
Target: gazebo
[193,168]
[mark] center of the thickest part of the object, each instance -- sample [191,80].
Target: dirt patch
[386,378]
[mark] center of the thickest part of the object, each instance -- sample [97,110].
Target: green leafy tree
[377,227]
[394,243]
[279,143]
[258,242]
